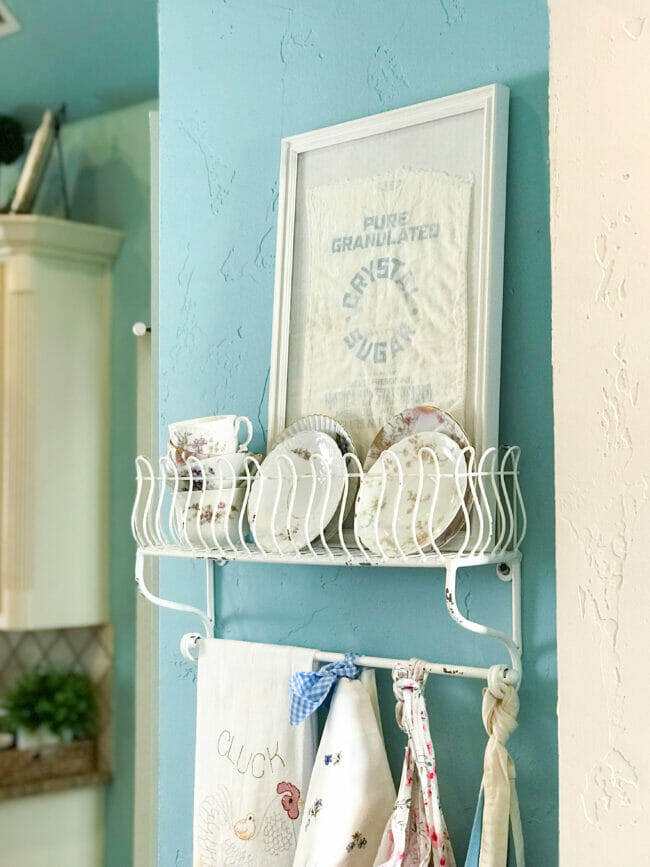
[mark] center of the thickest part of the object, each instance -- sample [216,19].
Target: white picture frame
[464,134]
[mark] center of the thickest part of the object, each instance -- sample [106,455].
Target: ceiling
[94,55]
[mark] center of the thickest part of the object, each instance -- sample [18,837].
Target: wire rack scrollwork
[237,510]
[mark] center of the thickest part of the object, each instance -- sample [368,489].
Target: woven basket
[47,763]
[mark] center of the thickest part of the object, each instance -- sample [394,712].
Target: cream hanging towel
[351,791]
[416,833]
[252,767]
[497,837]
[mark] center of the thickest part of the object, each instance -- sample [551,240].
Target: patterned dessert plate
[413,421]
[210,518]
[398,511]
[296,492]
[324,424]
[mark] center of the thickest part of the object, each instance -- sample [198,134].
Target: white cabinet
[55,294]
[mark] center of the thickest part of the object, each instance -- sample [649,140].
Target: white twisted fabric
[501,805]
[416,833]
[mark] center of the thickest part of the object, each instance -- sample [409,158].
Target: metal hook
[190,642]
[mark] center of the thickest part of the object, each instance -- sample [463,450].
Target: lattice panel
[88,649]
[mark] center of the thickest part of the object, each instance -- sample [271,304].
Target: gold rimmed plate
[417,419]
[424,419]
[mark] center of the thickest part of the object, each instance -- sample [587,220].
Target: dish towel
[497,839]
[251,766]
[416,833]
[351,791]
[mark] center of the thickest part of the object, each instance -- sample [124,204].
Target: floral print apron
[416,833]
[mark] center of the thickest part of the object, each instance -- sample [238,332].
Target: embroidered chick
[245,828]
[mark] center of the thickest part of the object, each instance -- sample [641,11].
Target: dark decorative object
[12,139]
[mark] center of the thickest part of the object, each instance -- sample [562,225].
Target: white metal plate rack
[180,511]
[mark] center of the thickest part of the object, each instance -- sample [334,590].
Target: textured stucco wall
[235,78]
[600,189]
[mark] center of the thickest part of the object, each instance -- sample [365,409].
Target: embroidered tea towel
[416,833]
[351,791]
[497,838]
[252,767]
[387,311]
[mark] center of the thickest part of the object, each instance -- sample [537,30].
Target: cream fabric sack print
[387,310]
[351,791]
[252,767]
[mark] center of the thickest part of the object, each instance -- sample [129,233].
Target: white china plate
[393,524]
[343,440]
[323,424]
[286,515]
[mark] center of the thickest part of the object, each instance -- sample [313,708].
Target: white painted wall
[145,832]
[600,212]
[64,828]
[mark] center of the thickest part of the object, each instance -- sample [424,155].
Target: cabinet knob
[140,329]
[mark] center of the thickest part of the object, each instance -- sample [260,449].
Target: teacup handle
[249,430]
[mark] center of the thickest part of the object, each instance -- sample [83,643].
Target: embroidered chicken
[226,842]
[245,828]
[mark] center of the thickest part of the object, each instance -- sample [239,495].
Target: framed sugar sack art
[389,268]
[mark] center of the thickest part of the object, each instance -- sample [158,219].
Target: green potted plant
[7,731]
[48,706]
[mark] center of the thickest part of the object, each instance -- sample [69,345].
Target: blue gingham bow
[309,689]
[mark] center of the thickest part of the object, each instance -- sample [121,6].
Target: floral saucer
[404,505]
[210,519]
[223,471]
[296,492]
[415,420]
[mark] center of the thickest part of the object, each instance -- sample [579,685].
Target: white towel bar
[190,641]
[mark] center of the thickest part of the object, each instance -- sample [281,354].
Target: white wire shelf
[186,511]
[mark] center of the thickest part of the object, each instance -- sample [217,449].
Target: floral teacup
[208,437]
[211,519]
[223,471]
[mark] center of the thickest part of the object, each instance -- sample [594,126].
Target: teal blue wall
[96,57]
[107,167]
[235,79]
